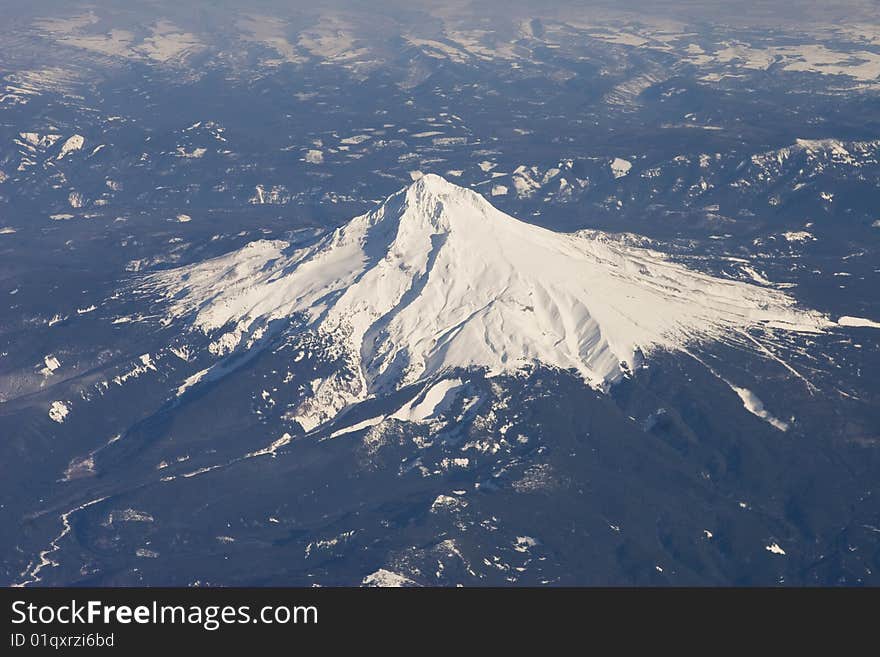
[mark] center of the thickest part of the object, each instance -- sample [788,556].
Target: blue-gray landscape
[439,293]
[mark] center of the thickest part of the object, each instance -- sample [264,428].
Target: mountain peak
[432,205]
[432,188]
[435,183]
[437,278]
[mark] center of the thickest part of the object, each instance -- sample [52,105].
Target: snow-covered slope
[436,278]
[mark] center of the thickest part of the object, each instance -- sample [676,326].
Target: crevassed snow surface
[436,278]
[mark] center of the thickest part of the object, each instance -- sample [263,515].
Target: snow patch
[446,502]
[355,140]
[365,424]
[857,322]
[192,380]
[387,579]
[272,449]
[798,236]
[58,411]
[435,400]
[72,145]
[194,154]
[620,167]
[524,543]
[756,407]
[51,364]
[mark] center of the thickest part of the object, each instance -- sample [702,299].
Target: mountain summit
[436,278]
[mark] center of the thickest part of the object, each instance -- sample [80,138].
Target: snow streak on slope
[437,278]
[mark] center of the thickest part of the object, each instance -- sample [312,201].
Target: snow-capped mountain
[437,279]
